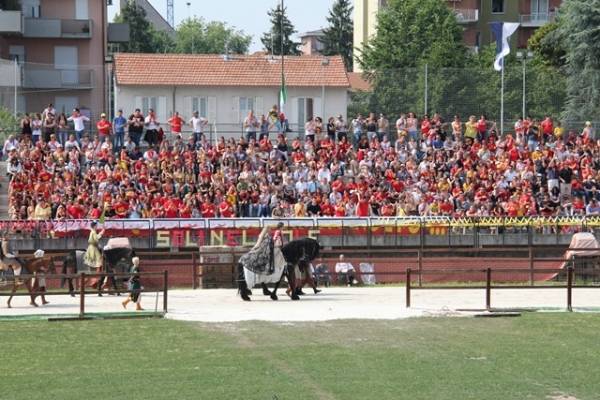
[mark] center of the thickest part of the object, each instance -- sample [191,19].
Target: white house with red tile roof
[223,89]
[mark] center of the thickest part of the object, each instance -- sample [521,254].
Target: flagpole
[502,101]
[282,60]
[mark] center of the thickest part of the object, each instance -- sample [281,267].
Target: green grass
[530,357]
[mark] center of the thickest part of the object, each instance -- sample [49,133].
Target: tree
[337,37]
[195,36]
[413,32]
[8,123]
[578,24]
[143,38]
[548,45]
[410,35]
[272,40]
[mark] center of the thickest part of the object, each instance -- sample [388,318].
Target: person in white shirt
[198,124]
[10,144]
[346,270]
[78,123]
[251,125]
[48,110]
[152,126]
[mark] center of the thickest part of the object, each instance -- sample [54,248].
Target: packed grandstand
[367,167]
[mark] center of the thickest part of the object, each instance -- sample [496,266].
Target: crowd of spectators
[415,166]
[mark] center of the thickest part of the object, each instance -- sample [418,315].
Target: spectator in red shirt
[176,122]
[104,127]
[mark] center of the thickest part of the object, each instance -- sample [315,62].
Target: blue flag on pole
[502,32]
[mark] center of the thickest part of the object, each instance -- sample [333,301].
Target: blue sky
[247,15]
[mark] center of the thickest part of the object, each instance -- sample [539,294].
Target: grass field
[536,356]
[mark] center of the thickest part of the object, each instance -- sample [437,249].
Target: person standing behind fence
[136,126]
[152,125]
[198,124]
[135,286]
[104,127]
[78,123]
[119,123]
[175,123]
[250,126]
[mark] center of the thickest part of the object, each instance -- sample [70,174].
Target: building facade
[225,89]
[473,15]
[60,49]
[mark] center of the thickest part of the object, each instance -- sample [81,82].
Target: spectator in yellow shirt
[559,131]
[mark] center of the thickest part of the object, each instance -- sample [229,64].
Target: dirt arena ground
[222,305]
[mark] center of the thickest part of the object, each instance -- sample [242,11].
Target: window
[246,105]
[200,104]
[149,103]
[539,7]
[497,6]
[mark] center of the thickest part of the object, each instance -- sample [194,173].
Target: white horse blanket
[258,265]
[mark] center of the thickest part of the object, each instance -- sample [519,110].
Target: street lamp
[324,63]
[523,57]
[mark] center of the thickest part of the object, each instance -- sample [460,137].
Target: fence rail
[82,292]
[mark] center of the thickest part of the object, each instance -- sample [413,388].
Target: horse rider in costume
[93,255]
[8,260]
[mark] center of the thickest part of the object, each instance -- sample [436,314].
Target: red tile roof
[358,83]
[239,70]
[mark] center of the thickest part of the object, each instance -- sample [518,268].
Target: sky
[247,15]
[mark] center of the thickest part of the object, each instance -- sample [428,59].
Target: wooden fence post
[570,288]
[194,272]
[531,253]
[82,295]
[165,289]
[488,288]
[420,266]
[408,287]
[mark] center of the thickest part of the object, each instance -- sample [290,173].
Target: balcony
[466,15]
[58,28]
[8,73]
[11,22]
[49,77]
[536,20]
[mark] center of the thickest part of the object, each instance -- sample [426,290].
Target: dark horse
[299,253]
[115,261]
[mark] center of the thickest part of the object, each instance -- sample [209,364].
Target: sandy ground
[222,305]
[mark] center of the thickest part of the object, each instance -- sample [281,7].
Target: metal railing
[57,28]
[466,15]
[536,19]
[49,77]
[407,232]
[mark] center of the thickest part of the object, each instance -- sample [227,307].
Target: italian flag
[282,93]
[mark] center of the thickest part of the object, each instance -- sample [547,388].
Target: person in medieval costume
[135,286]
[93,256]
[264,262]
[8,260]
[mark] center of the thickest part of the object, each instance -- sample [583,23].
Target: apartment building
[473,15]
[60,48]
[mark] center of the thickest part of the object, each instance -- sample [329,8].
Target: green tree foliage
[578,24]
[196,36]
[413,32]
[271,40]
[410,35]
[143,38]
[547,44]
[8,123]
[338,36]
